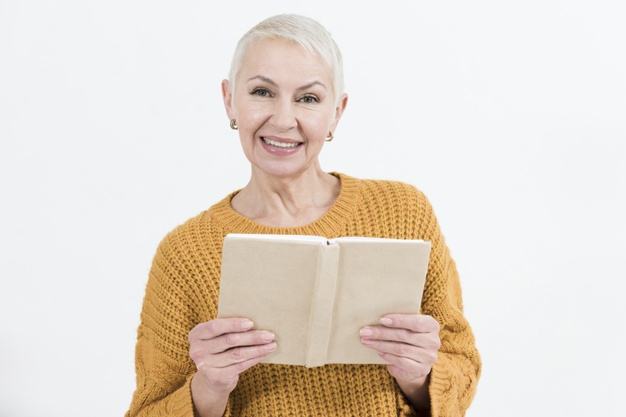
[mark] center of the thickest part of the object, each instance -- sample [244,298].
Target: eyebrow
[271,82]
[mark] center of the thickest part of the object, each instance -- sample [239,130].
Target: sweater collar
[330,225]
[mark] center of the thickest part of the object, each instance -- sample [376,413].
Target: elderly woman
[285,98]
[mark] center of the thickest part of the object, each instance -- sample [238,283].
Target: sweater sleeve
[162,363]
[455,374]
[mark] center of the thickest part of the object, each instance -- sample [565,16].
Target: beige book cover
[315,294]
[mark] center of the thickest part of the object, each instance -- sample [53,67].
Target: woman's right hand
[222,349]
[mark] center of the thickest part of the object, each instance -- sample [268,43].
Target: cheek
[318,125]
[251,117]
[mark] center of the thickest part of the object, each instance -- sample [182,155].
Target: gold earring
[330,137]
[233,124]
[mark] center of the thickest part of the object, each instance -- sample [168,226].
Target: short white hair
[298,29]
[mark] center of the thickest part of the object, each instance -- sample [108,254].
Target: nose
[284,115]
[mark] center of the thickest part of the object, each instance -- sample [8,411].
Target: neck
[287,202]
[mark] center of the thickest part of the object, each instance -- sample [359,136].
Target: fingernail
[271,347]
[247,325]
[267,337]
[386,321]
[366,332]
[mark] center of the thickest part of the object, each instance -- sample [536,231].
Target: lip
[272,144]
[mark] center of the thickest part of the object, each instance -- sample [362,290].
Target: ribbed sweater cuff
[181,404]
[439,389]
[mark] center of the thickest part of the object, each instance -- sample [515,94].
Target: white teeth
[280,144]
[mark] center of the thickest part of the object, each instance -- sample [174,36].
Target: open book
[315,294]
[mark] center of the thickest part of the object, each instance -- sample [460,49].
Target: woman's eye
[261,92]
[309,99]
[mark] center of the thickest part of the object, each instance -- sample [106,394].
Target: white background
[509,115]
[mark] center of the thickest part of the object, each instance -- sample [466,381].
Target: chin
[282,170]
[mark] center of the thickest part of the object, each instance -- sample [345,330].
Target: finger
[199,349]
[390,334]
[235,340]
[405,350]
[379,334]
[420,323]
[217,327]
[226,375]
[207,356]
[242,355]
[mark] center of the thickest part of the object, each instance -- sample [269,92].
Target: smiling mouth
[283,145]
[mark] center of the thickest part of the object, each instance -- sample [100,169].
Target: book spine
[322,305]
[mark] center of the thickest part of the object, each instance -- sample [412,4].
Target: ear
[341,106]
[227,96]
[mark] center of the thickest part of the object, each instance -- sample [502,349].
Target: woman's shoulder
[196,230]
[181,237]
[392,198]
[386,188]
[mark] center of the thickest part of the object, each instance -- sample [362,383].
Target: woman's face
[284,106]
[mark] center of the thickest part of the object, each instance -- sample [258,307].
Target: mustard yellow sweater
[183,289]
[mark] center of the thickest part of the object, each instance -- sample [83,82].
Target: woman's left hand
[409,342]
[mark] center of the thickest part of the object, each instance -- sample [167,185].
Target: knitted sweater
[183,288]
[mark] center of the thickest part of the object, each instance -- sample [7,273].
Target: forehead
[280,58]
